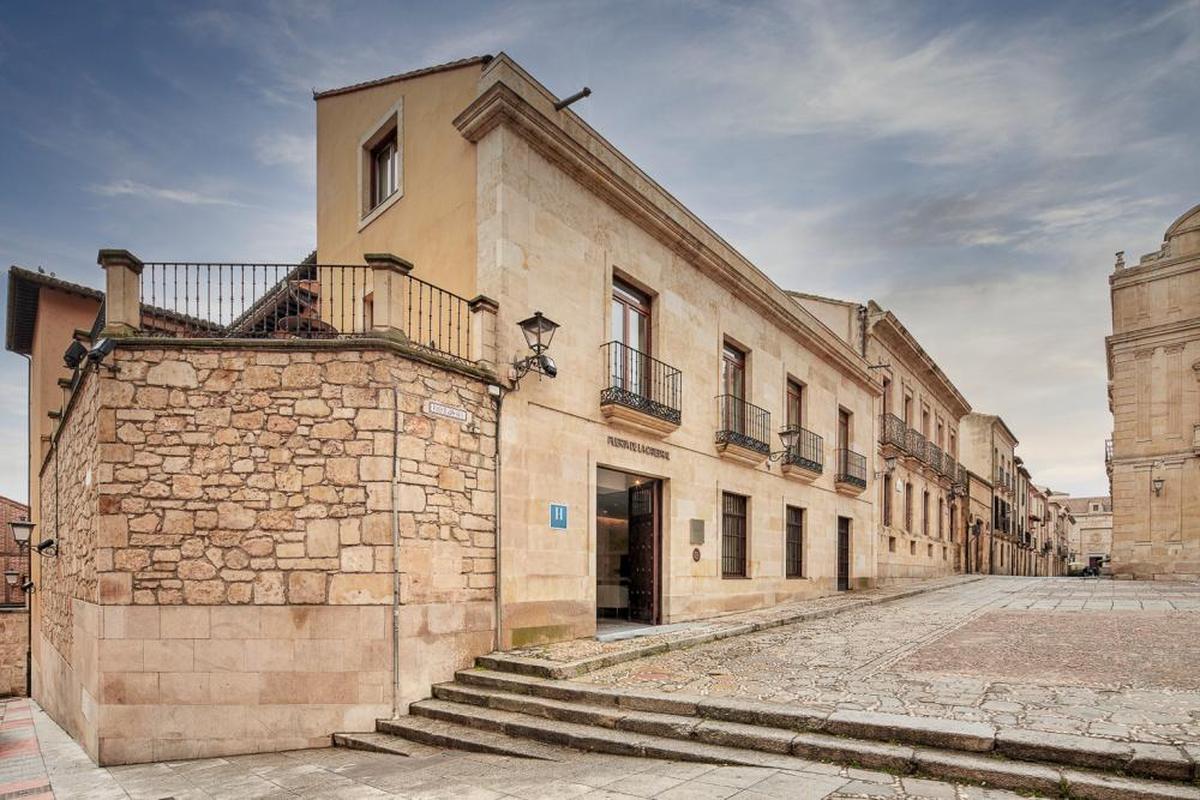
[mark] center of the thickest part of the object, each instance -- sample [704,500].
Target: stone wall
[243,540]
[13,636]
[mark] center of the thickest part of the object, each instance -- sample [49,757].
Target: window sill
[378,210]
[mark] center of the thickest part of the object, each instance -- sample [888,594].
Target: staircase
[505,713]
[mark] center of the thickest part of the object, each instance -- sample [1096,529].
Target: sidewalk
[571,659]
[22,771]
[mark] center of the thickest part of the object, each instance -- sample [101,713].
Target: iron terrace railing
[916,444]
[286,301]
[851,468]
[638,381]
[809,452]
[893,431]
[743,424]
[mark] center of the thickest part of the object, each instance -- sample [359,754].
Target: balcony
[640,391]
[744,430]
[893,435]
[807,459]
[916,445]
[933,458]
[851,475]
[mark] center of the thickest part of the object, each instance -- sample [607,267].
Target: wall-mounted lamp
[22,531]
[11,577]
[1157,483]
[47,547]
[74,354]
[539,332]
[788,436]
[27,587]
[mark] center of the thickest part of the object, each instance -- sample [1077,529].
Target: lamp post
[538,331]
[22,532]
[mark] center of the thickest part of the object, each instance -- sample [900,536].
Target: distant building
[1153,359]
[1092,534]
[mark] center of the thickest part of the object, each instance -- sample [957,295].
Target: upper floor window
[887,396]
[384,170]
[795,404]
[845,429]
[908,410]
[630,317]
[381,166]
[733,371]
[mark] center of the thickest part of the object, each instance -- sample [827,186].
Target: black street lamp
[538,331]
[22,532]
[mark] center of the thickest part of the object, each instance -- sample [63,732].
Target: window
[925,513]
[733,385]
[733,535]
[381,165]
[908,410]
[940,433]
[908,507]
[844,429]
[794,558]
[929,551]
[912,548]
[953,445]
[384,170]
[941,509]
[795,404]
[925,422]
[944,554]
[891,544]
[887,396]
[630,328]
[887,500]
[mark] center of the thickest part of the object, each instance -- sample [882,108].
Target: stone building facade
[1153,358]
[921,506]
[14,614]
[1091,534]
[988,449]
[231,525]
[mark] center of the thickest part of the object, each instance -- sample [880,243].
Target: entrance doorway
[628,547]
[843,554]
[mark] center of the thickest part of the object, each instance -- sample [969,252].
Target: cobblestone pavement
[431,774]
[1111,659]
[22,772]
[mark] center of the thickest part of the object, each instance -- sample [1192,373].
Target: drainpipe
[497,392]
[395,553]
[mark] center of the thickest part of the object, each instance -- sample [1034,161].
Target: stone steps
[467,716]
[589,704]
[393,734]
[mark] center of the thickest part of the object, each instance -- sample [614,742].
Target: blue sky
[970,165]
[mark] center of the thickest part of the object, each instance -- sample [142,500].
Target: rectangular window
[891,544]
[844,429]
[384,162]
[795,404]
[733,372]
[887,396]
[925,513]
[912,548]
[908,507]
[733,535]
[795,542]
[929,551]
[941,508]
[631,329]
[887,500]
[908,410]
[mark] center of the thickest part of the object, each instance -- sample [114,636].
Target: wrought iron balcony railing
[743,424]
[893,431]
[916,444]
[638,381]
[809,452]
[290,301]
[933,456]
[851,468]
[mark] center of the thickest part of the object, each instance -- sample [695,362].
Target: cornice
[1163,334]
[1154,271]
[898,338]
[586,157]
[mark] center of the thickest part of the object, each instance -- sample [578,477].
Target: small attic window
[381,165]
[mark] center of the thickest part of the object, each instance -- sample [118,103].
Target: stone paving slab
[577,657]
[969,653]
[22,771]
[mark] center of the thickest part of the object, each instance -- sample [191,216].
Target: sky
[972,166]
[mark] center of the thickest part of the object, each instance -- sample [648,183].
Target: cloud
[126,187]
[287,149]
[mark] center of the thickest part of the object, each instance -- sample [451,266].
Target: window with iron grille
[887,500]
[925,513]
[908,507]
[941,509]
[733,535]
[795,543]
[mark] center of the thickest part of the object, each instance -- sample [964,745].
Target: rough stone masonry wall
[244,542]
[13,636]
[264,477]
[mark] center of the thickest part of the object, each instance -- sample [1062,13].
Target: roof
[952,397]
[403,76]
[24,289]
[1083,505]
[9,501]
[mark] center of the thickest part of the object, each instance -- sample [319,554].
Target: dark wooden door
[843,554]
[643,553]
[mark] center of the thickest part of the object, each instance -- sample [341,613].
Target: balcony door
[843,429]
[631,330]
[733,386]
